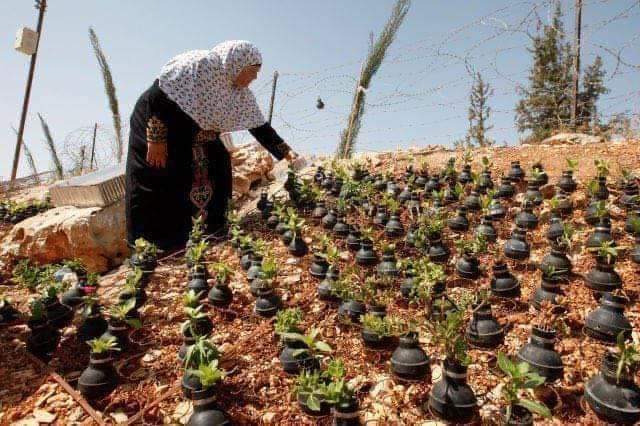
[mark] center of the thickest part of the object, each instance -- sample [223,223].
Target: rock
[251,163]
[119,416]
[572,139]
[43,416]
[269,418]
[94,235]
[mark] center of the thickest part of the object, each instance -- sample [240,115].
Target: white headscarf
[201,83]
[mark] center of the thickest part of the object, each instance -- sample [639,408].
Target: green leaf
[535,407]
[323,347]
[504,363]
[299,352]
[134,323]
[313,403]
[533,381]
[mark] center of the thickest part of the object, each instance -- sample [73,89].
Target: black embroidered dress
[160,202]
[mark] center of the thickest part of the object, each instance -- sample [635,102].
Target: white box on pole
[26,41]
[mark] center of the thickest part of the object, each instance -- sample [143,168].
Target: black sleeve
[269,139]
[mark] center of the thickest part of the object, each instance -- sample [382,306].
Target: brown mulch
[257,391]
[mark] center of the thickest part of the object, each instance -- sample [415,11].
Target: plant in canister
[393,228]
[202,351]
[503,282]
[205,410]
[197,231]
[258,253]
[310,391]
[436,251]
[333,273]
[517,247]
[550,290]
[198,273]
[539,352]
[220,294]
[483,330]
[197,324]
[452,399]
[388,266]
[533,188]
[485,182]
[485,229]
[267,301]
[288,321]
[409,361]
[557,258]
[378,332]
[7,312]
[353,294]
[468,265]
[517,393]
[633,227]
[306,350]
[43,339]
[527,219]
[93,324]
[297,247]
[603,277]
[613,394]
[566,182]
[122,319]
[459,222]
[132,288]
[58,315]
[366,256]
[85,283]
[268,273]
[100,377]
[145,255]
[607,321]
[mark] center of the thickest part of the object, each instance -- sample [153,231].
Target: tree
[545,105]
[479,112]
[377,52]
[110,89]
[593,87]
[57,164]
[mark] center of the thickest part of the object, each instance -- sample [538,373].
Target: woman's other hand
[157,154]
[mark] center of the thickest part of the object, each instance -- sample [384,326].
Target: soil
[257,391]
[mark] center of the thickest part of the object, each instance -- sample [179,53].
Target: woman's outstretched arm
[272,142]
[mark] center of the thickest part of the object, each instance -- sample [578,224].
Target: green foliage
[37,310]
[287,320]
[101,345]
[602,167]
[145,249]
[607,250]
[208,373]
[110,90]
[329,386]
[196,252]
[269,268]
[191,299]
[375,56]
[520,380]
[572,165]
[628,356]
[197,229]
[448,334]
[477,245]
[383,327]
[120,312]
[313,345]
[201,352]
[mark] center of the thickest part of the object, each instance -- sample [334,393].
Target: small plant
[194,315]
[313,345]
[607,250]
[287,321]
[120,312]
[132,282]
[201,352]
[602,167]
[448,334]
[294,223]
[572,165]
[477,245]
[208,373]
[197,229]
[628,356]
[196,253]
[519,381]
[75,265]
[191,299]
[103,344]
[486,163]
[269,269]
[38,313]
[145,249]
[383,327]
[90,306]
[222,272]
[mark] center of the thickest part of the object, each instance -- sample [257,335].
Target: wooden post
[41,5]
[576,65]
[273,95]
[93,146]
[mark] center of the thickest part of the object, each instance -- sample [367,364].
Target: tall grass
[377,52]
[57,165]
[30,161]
[110,90]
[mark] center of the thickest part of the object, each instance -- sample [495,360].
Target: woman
[177,167]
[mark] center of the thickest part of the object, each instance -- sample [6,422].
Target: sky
[419,96]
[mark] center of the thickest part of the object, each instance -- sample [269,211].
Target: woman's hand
[291,156]
[157,154]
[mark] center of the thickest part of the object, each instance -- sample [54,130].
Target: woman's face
[247,75]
